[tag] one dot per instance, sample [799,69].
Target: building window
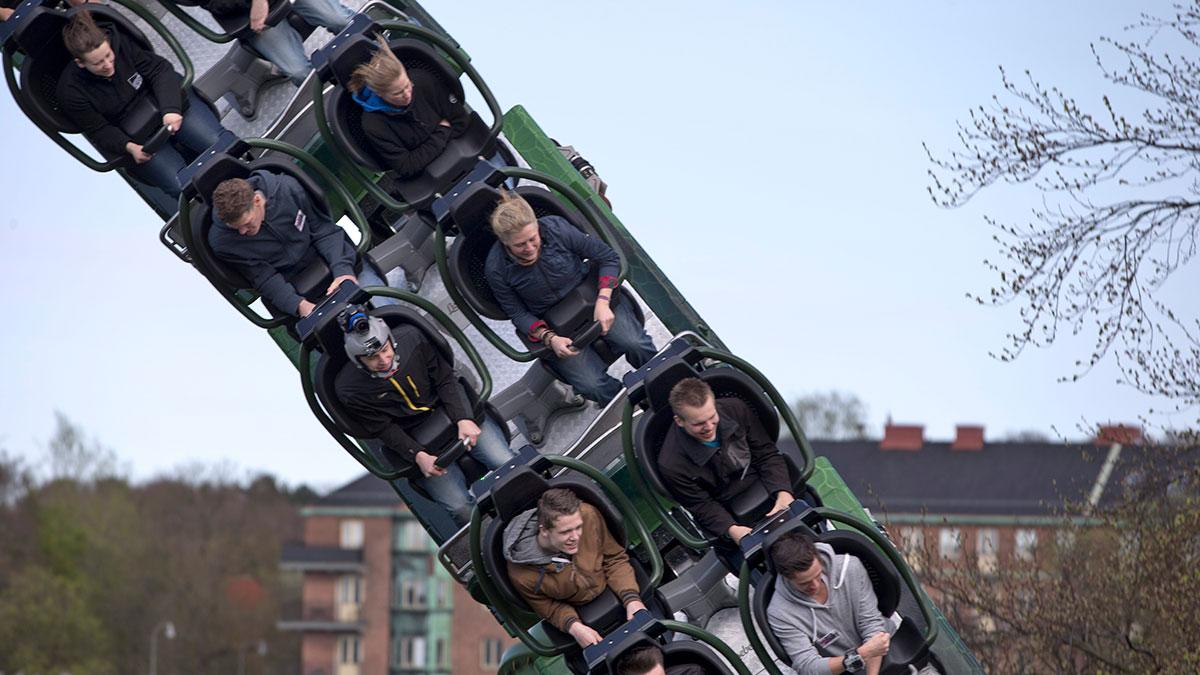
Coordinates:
[912,544]
[440,659]
[410,536]
[949,543]
[442,599]
[412,593]
[490,651]
[349,590]
[349,650]
[987,548]
[410,652]
[352,534]
[1026,541]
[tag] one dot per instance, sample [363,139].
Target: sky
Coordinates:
[768,156]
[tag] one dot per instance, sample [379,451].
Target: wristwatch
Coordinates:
[852,662]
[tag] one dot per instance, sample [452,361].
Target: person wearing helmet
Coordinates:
[394,379]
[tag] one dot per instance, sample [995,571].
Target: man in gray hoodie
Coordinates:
[824,610]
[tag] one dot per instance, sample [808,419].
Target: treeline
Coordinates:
[91,565]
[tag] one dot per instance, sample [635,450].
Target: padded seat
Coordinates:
[438,432]
[885,581]
[675,653]
[726,382]
[519,491]
[345,116]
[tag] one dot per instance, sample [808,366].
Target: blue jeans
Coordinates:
[587,373]
[370,277]
[281,44]
[199,130]
[450,490]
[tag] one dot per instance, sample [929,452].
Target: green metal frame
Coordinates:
[444,267]
[457,56]
[241,299]
[353,447]
[511,614]
[660,503]
[709,639]
[869,531]
[57,136]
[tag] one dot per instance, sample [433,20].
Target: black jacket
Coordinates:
[101,106]
[705,488]
[295,231]
[386,408]
[408,142]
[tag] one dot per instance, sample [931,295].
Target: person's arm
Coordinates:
[265,279]
[164,82]
[454,112]
[591,248]
[93,125]
[618,573]
[450,390]
[692,496]
[797,643]
[867,617]
[376,423]
[523,319]
[558,613]
[397,155]
[5,13]
[768,461]
[329,239]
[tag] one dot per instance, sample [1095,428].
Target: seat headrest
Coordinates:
[216,169]
[663,378]
[354,51]
[518,491]
[470,212]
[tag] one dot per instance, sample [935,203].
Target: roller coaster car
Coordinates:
[224,161]
[36,33]
[653,390]
[468,211]
[437,432]
[518,490]
[906,643]
[603,659]
[354,46]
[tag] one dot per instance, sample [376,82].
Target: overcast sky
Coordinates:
[766,154]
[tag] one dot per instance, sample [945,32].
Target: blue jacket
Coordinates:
[524,292]
[293,234]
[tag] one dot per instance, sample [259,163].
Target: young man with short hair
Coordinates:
[824,610]
[394,380]
[717,450]
[269,228]
[648,660]
[560,554]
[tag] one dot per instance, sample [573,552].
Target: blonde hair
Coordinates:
[380,72]
[512,213]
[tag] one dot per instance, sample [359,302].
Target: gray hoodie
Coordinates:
[521,546]
[812,632]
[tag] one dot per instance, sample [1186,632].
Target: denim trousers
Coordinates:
[281,44]
[450,490]
[587,373]
[199,130]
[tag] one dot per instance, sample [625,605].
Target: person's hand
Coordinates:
[603,315]
[563,347]
[425,462]
[445,123]
[337,281]
[876,645]
[5,12]
[305,308]
[632,608]
[782,500]
[584,634]
[173,121]
[736,532]
[469,432]
[258,15]
[140,156]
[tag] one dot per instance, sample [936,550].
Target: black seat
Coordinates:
[675,652]
[37,35]
[437,432]
[518,491]
[726,382]
[204,178]
[885,581]
[239,26]
[469,213]
[354,47]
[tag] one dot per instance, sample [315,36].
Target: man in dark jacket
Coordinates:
[536,263]
[268,227]
[408,115]
[120,95]
[395,379]
[648,660]
[716,451]
[561,555]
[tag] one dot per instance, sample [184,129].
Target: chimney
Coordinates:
[1125,434]
[902,436]
[967,437]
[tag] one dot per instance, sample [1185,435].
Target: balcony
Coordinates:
[301,558]
[323,618]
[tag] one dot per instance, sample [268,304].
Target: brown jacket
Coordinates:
[553,584]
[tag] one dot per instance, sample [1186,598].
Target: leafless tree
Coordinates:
[833,415]
[1119,203]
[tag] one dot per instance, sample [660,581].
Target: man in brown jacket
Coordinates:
[560,555]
